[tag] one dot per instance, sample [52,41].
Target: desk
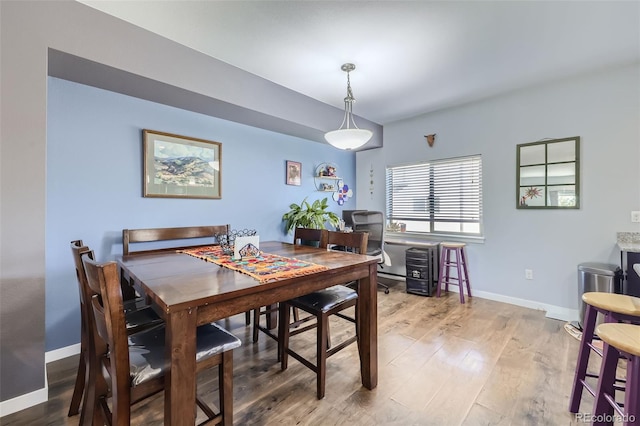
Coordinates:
[191,292]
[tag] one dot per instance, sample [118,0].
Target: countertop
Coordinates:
[629,241]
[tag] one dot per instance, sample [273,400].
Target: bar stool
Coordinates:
[460,263]
[620,341]
[615,308]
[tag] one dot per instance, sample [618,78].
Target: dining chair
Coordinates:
[133,366]
[301,236]
[152,240]
[322,304]
[137,318]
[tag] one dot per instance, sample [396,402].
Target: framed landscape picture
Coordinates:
[294,173]
[181,167]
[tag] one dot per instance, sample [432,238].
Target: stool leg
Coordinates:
[583,358]
[447,272]
[602,409]
[632,393]
[466,271]
[459,270]
[440,273]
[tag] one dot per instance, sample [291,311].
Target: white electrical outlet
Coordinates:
[635,216]
[528,274]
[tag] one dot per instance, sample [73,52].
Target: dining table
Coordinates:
[188,291]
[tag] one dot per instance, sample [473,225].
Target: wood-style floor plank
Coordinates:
[440,363]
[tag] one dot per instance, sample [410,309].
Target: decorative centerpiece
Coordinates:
[227,241]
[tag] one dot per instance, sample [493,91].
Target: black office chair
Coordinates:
[373,223]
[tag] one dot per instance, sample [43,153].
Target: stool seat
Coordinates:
[619,303]
[625,337]
[452,245]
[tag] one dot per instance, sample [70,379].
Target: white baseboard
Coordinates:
[39,396]
[552,311]
[25,401]
[61,353]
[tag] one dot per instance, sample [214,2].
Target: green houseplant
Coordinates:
[305,215]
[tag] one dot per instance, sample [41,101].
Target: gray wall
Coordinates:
[94,183]
[604,110]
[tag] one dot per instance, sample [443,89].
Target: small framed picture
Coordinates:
[294,173]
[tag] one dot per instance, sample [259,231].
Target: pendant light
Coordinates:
[348,136]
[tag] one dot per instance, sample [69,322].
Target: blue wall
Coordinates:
[94,183]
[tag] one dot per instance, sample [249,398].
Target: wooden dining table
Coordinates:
[189,292]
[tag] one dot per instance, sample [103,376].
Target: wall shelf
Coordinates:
[326,179]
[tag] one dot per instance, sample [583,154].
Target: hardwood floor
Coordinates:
[440,363]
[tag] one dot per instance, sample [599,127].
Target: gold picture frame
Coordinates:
[180,166]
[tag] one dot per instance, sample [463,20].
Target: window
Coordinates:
[441,197]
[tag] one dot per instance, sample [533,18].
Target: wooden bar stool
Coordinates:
[620,341]
[615,308]
[459,262]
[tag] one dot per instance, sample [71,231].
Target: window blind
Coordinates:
[444,194]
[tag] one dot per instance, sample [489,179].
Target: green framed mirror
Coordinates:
[548,174]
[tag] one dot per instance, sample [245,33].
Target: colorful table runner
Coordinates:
[264,268]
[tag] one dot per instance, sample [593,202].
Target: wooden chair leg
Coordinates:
[95,386]
[256,321]
[225,376]
[283,334]
[78,388]
[321,366]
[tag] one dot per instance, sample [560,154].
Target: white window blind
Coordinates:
[441,196]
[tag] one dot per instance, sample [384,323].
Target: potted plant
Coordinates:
[305,215]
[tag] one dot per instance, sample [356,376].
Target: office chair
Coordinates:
[373,223]
[347,216]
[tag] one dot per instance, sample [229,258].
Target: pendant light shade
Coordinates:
[348,136]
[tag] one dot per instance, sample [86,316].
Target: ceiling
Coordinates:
[411,57]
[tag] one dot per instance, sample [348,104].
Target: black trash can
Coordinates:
[595,276]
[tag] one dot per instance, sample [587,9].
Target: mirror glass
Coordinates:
[532,155]
[561,151]
[532,175]
[548,174]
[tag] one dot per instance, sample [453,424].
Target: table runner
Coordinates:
[264,268]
